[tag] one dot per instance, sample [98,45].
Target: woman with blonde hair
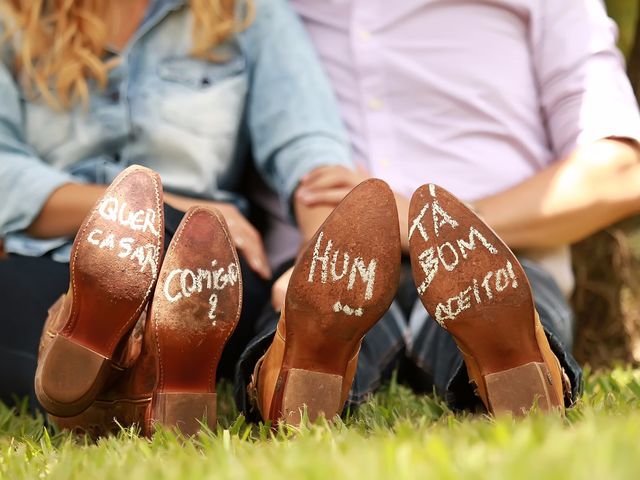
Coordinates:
[185,88]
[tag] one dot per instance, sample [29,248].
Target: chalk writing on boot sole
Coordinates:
[456,248]
[439,218]
[447,255]
[493,282]
[348,268]
[119,212]
[146,254]
[182,283]
[338,307]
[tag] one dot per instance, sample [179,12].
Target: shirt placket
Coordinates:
[114,111]
[131,66]
[367,46]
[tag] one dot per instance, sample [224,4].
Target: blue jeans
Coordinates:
[425,354]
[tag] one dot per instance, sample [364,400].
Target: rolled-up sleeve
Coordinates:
[26,182]
[292,115]
[585,93]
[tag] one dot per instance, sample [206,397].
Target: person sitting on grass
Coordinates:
[522,109]
[183,87]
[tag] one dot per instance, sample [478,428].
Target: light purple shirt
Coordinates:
[473,95]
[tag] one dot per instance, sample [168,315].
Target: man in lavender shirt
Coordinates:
[521,108]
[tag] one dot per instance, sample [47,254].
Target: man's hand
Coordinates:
[279,290]
[328,185]
[245,237]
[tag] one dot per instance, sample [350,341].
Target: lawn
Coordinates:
[396,435]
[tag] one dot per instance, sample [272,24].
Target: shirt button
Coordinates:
[115,96]
[364,34]
[375,103]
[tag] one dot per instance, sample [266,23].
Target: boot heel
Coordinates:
[319,392]
[184,410]
[69,377]
[516,390]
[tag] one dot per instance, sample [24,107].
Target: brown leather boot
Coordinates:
[114,266]
[340,287]
[475,288]
[314,398]
[116,405]
[195,308]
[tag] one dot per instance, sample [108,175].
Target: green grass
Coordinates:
[397,435]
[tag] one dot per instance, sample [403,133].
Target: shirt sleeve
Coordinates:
[584,90]
[26,182]
[292,115]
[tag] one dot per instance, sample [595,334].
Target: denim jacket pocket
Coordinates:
[203,98]
[45,129]
[197,74]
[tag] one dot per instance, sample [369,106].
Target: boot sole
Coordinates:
[114,264]
[194,311]
[340,287]
[473,285]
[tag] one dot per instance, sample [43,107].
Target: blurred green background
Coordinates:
[607,265]
[625,12]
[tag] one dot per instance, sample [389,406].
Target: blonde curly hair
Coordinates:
[60,44]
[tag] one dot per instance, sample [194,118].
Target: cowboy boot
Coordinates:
[114,406]
[341,285]
[114,265]
[194,310]
[475,288]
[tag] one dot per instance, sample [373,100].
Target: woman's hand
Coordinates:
[245,237]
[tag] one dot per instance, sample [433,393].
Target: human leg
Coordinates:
[193,312]
[255,292]
[381,352]
[478,292]
[113,268]
[341,286]
[28,287]
[440,365]
[169,375]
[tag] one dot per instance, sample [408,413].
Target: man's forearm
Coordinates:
[309,218]
[594,187]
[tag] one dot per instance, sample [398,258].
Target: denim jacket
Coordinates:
[190,120]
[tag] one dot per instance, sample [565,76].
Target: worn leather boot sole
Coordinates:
[474,287]
[114,264]
[340,287]
[194,311]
